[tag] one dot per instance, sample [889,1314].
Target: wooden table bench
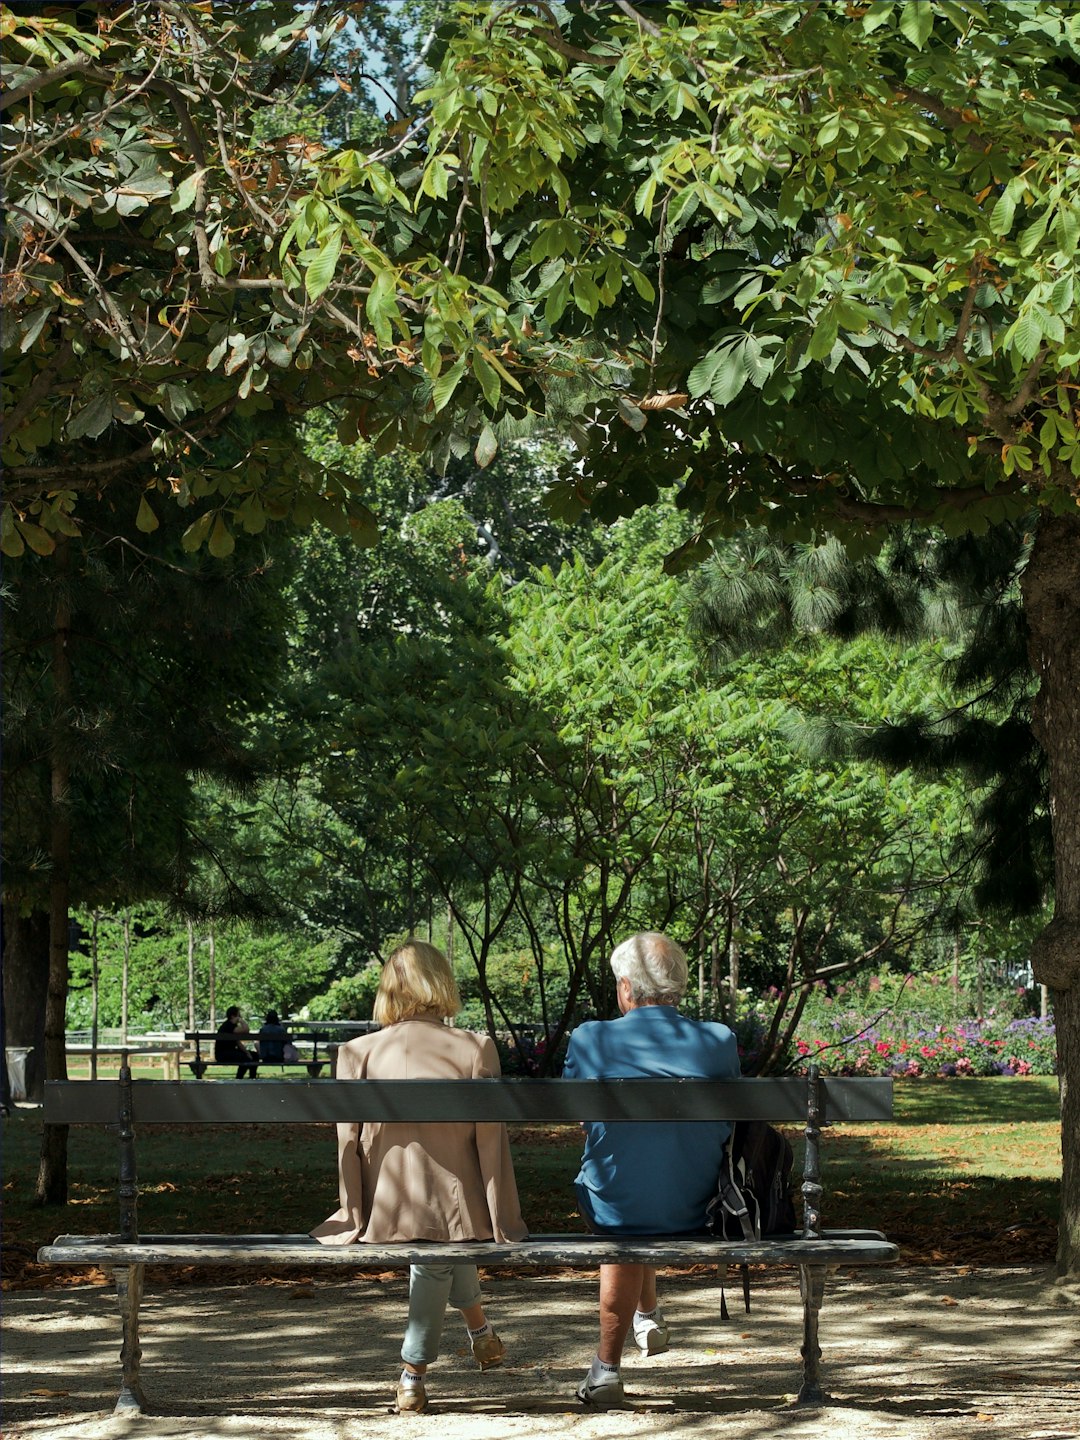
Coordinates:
[125,1104]
[199,1066]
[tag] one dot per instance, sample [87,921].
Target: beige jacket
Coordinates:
[425,1181]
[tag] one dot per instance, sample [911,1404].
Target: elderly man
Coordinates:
[645,1179]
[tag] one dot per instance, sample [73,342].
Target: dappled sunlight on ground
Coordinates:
[909,1353]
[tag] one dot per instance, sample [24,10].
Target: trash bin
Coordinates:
[16,1067]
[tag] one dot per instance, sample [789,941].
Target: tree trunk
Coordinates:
[52,1172]
[26,985]
[190,976]
[95,996]
[124,979]
[733,958]
[213,980]
[1051,587]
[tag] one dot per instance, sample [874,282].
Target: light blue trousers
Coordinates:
[431,1289]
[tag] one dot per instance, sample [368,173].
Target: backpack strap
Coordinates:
[744,1270]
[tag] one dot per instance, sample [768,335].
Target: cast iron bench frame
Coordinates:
[199,1066]
[123,1103]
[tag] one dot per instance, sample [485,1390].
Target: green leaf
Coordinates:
[320,272]
[730,377]
[381,306]
[878,14]
[917,21]
[222,540]
[197,532]
[701,377]
[630,414]
[39,540]
[1026,334]
[184,195]
[146,520]
[1061,297]
[759,366]
[486,447]
[1032,237]
[1067,229]
[277,353]
[92,419]
[824,336]
[32,326]
[487,379]
[447,383]
[1001,217]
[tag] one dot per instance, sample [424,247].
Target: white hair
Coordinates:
[655,967]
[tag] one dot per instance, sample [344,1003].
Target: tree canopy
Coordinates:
[852,254]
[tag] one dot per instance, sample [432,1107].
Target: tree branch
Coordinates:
[106,299]
[46,77]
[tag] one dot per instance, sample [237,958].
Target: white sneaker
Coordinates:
[651,1334]
[605,1394]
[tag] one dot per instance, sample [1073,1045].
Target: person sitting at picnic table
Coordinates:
[228,1049]
[435,1181]
[272,1039]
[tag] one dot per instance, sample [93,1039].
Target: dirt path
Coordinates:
[908,1355]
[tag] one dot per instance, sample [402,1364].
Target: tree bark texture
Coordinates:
[52,1172]
[1051,587]
[26,982]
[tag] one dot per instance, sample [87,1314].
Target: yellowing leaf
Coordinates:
[145,520]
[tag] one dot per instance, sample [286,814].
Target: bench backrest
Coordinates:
[517,1101]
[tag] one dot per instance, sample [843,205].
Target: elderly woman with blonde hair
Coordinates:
[438,1181]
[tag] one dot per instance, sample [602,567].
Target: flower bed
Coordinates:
[911,1044]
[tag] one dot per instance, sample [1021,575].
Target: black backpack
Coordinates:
[753,1199]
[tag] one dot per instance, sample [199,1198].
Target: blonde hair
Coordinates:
[416,980]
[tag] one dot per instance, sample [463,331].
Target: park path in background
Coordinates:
[908,1355]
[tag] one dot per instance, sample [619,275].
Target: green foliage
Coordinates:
[845,273]
[254,968]
[169,657]
[973,716]
[349,998]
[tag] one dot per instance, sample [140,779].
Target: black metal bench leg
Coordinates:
[129,1288]
[812,1289]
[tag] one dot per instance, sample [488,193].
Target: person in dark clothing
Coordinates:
[228,1049]
[272,1038]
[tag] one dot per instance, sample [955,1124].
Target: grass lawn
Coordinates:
[966,1171]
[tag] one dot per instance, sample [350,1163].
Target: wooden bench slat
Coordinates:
[779,1100]
[571,1250]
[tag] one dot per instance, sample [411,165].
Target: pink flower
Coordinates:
[802,1047]
[882,1048]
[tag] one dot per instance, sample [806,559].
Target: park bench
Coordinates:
[125,1105]
[199,1066]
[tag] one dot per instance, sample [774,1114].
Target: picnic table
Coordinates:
[167,1051]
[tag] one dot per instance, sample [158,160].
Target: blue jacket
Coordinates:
[653,1178]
